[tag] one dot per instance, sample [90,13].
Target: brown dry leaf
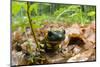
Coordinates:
[75,25]
[93,56]
[84,56]
[73,30]
[92,38]
[76,49]
[25,45]
[89,30]
[93,25]
[89,45]
[71,53]
[17,58]
[17,35]
[58,58]
[65,42]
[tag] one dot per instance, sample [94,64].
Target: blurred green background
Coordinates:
[51,12]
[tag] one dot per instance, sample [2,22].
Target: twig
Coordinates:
[30,22]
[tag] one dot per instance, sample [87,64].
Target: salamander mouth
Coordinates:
[53,42]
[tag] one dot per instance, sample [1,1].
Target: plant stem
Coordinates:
[30,22]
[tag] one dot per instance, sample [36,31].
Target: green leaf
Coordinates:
[35,26]
[92,13]
[73,7]
[15,8]
[24,5]
[34,7]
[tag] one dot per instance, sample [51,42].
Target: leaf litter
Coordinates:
[79,45]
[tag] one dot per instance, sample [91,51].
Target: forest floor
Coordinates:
[79,45]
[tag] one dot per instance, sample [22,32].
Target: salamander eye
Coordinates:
[50,33]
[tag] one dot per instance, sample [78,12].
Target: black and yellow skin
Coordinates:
[53,40]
